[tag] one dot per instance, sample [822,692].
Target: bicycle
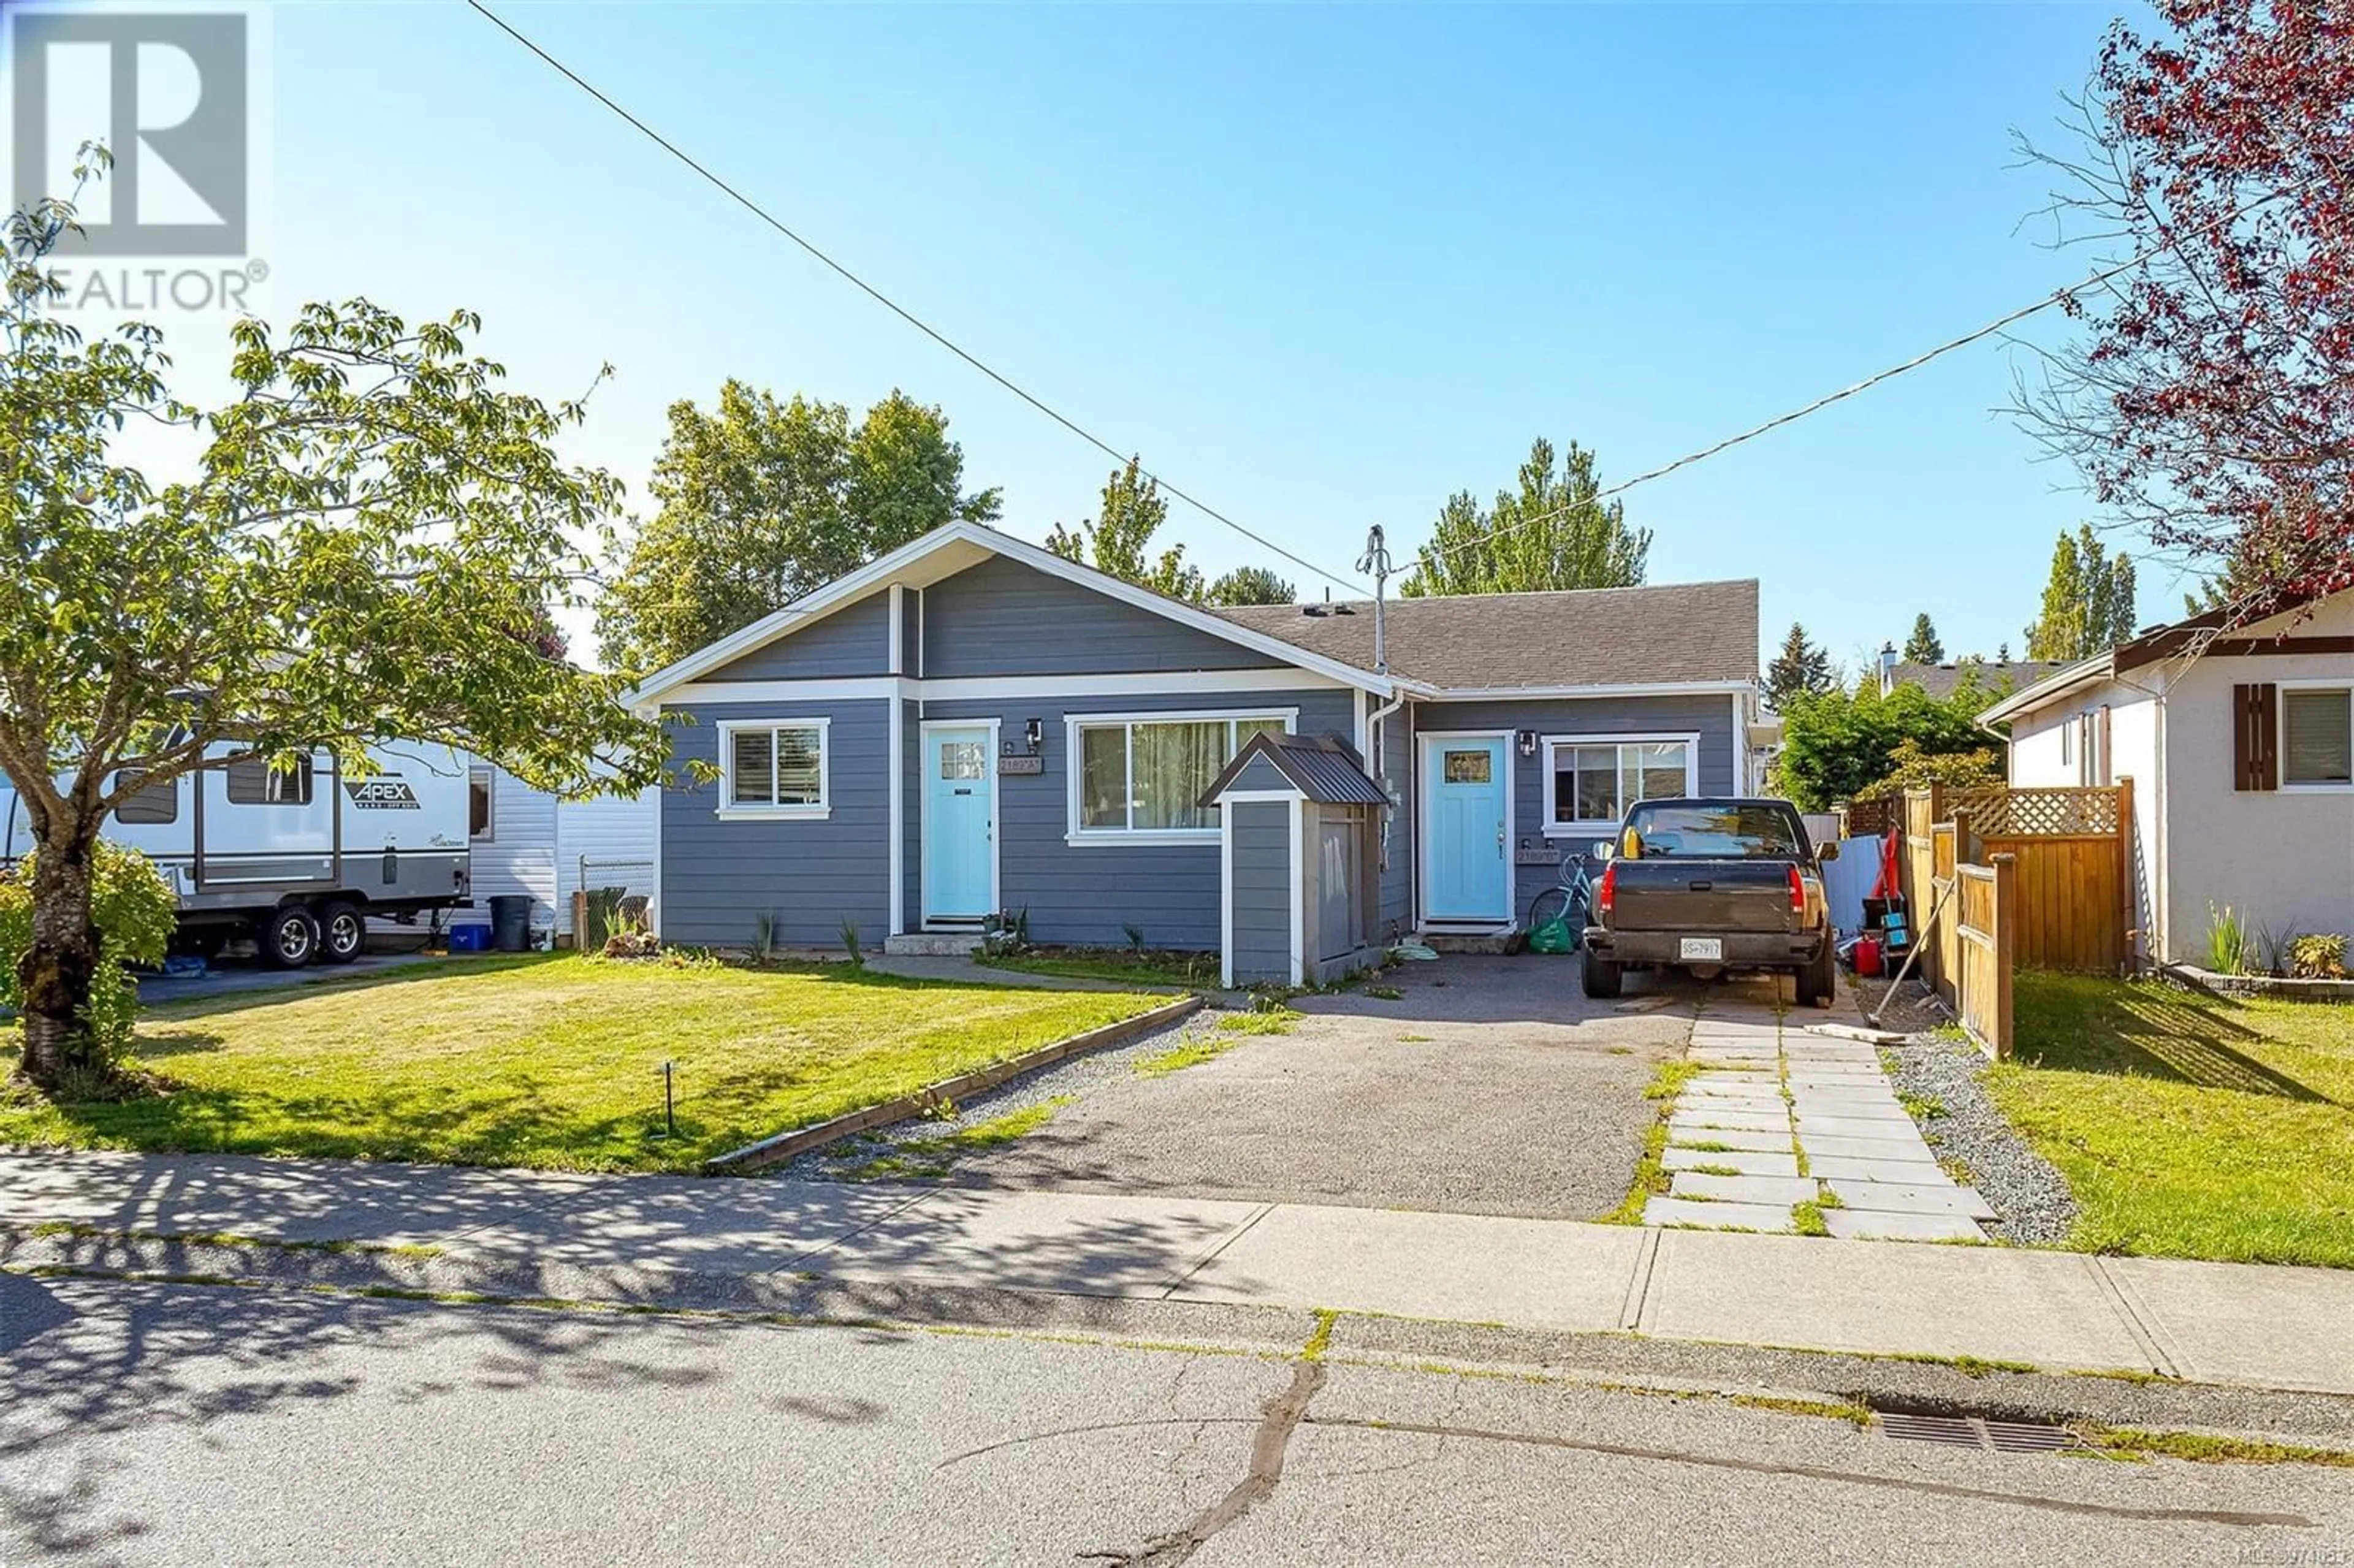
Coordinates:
[1571,898]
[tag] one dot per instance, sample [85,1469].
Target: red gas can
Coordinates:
[1867,955]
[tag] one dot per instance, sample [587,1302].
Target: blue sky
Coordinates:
[1321,265]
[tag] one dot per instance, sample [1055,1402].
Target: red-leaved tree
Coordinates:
[2210,399]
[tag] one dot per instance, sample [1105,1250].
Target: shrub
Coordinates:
[851,944]
[2229,943]
[2318,957]
[135,912]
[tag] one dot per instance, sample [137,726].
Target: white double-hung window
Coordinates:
[1139,777]
[1592,779]
[772,767]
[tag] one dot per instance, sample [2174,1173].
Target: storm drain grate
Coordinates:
[1969,1432]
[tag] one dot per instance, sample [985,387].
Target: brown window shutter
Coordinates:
[2255,737]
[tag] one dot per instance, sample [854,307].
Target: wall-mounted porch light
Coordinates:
[1034,732]
[1528,743]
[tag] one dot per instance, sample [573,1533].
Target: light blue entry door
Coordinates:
[959,818]
[1465,870]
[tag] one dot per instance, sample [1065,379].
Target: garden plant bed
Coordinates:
[555,1062]
[1120,966]
[2188,1125]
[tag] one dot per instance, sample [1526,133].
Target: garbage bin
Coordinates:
[511,921]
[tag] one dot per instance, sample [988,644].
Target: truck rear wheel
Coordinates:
[1817,983]
[1601,977]
[342,932]
[290,938]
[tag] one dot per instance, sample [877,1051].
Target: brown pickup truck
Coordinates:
[1711,886]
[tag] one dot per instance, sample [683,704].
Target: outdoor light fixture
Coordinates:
[1528,743]
[1034,732]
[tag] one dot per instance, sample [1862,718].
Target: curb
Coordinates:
[784,1146]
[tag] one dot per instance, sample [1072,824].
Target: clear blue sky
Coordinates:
[1321,265]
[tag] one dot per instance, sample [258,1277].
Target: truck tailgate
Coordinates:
[1706,895]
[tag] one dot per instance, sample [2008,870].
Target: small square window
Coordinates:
[773,767]
[2317,736]
[1470,767]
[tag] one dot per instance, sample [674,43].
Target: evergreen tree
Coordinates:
[1252,584]
[1553,533]
[1800,670]
[1923,647]
[2088,600]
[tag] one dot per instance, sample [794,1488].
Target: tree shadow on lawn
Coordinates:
[2070,1023]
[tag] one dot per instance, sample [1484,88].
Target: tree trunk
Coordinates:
[60,962]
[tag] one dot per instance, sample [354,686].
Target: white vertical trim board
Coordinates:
[1297,817]
[1226,900]
[898,663]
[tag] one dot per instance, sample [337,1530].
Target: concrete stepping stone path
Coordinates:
[1769,1099]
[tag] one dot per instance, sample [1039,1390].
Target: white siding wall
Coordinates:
[609,831]
[2282,859]
[520,854]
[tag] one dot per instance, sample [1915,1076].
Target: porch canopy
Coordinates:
[1297,850]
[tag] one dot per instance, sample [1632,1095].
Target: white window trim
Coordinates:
[2307,683]
[490,779]
[1550,744]
[1073,773]
[822,808]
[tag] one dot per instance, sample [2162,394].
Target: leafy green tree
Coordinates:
[1923,647]
[135,911]
[1252,584]
[2088,600]
[1800,670]
[1551,534]
[759,502]
[366,545]
[1118,540]
[1839,742]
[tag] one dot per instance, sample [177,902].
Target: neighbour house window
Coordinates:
[253,781]
[2316,746]
[774,769]
[1595,780]
[482,800]
[153,805]
[1146,775]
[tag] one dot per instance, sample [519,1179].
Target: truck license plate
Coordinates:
[1702,949]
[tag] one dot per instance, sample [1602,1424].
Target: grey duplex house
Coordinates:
[972,724]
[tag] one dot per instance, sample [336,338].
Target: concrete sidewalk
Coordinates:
[2228,1323]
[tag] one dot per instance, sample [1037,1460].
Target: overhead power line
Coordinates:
[888,303]
[1990,329]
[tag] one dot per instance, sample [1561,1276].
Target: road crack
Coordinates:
[1280,1419]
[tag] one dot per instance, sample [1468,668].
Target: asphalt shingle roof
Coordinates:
[1942,680]
[1584,637]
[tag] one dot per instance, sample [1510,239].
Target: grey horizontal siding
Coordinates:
[1002,618]
[1709,716]
[1263,890]
[718,876]
[853,640]
[1082,894]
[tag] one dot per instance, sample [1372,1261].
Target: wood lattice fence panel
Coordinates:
[2072,892]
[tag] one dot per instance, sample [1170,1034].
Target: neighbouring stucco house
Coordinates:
[2238,746]
[972,724]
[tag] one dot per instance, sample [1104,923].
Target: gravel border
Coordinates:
[2030,1197]
[1075,1077]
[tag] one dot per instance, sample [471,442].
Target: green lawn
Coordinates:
[553,1062]
[2189,1127]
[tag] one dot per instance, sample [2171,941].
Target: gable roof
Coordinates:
[1688,634]
[1678,633]
[948,550]
[1942,680]
[1324,769]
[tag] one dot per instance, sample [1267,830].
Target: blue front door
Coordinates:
[1465,870]
[959,824]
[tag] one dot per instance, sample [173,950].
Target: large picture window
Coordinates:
[1592,780]
[773,769]
[1143,775]
[2316,745]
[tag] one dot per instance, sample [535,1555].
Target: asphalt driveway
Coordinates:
[1489,1085]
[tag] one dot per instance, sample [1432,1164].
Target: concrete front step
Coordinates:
[932,944]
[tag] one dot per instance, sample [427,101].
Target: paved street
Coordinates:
[153,1424]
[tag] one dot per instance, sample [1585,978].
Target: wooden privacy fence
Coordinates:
[2040,877]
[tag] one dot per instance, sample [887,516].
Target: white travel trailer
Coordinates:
[527,842]
[296,857]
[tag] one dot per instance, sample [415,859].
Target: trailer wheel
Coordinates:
[290,938]
[342,932]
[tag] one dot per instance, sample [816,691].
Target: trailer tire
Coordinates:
[290,938]
[342,932]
